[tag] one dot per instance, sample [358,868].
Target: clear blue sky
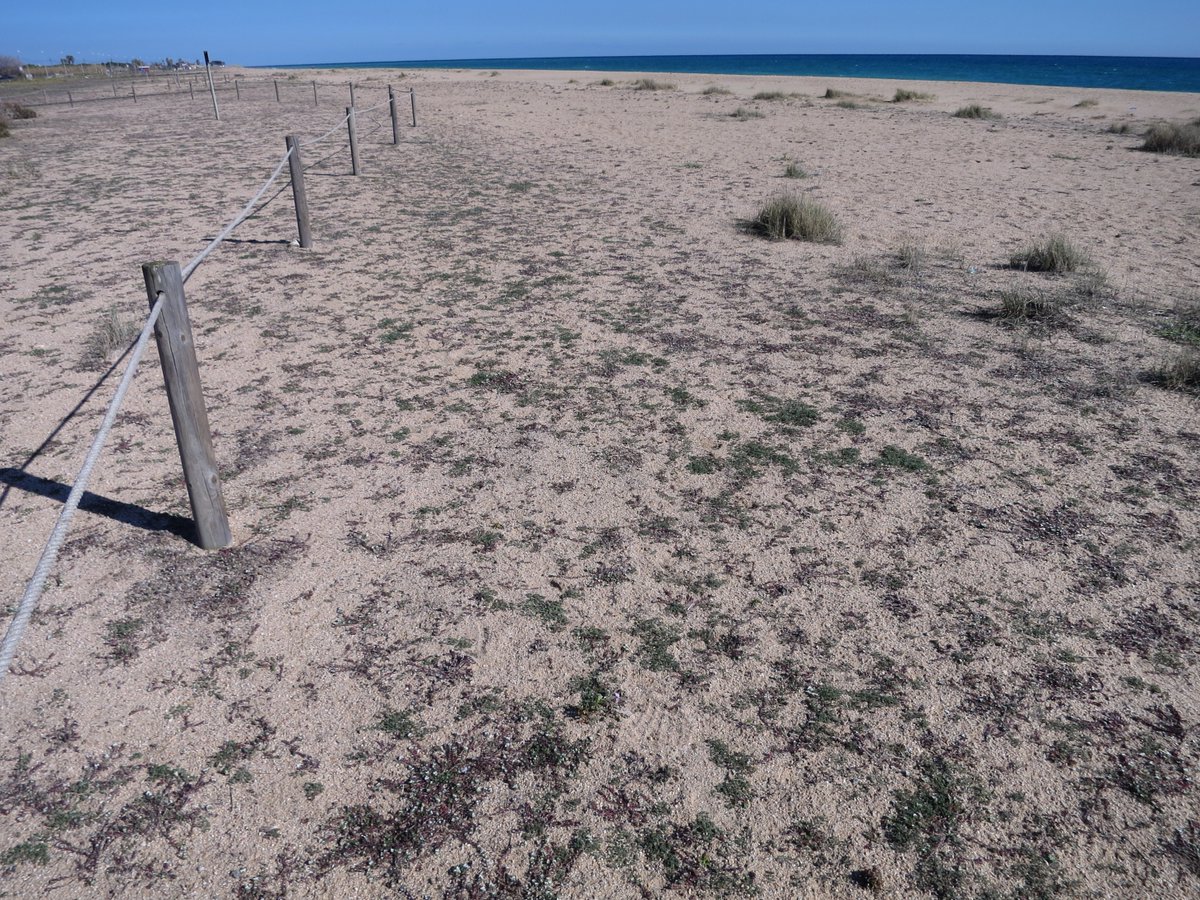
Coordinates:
[271,31]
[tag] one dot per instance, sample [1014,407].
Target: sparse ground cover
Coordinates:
[590,546]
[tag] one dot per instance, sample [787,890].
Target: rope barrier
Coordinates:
[33,590]
[345,119]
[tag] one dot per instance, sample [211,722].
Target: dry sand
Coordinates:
[587,545]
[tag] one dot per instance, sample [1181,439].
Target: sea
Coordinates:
[1126,72]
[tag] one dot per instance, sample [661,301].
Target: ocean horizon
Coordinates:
[1176,74]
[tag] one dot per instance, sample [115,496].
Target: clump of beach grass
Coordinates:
[833,94]
[14,110]
[911,255]
[904,95]
[1022,304]
[794,170]
[112,332]
[1119,128]
[1086,104]
[797,216]
[742,114]
[770,95]
[975,111]
[850,104]
[4,131]
[1054,253]
[1180,373]
[714,90]
[651,84]
[1173,139]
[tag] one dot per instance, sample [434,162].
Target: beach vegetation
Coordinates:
[1173,139]
[1180,373]
[3,129]
[14,110]
[1119,128]
[904,95]
[797,216]
[1186,327]
[770,95]
[1055,254]
[714,90]
[1022,304]
[742,114]
[793,169]
[975,111]
[911,255]
[833,94]
[606,82]
[1086,104]
[111,333]
[850,104]
[651,84]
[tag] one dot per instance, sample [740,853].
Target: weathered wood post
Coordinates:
[114,87]
[212,88]
[133,90]
[395,119]
[353,140]
[276,91]
[314,93]
[192,88]
[352,93]
[299,196]
[237,88]
[70,99]
[412,95]
[177,353]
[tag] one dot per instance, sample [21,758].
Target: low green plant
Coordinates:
[975,111]
[1119,128]
[832,94]
[1054,253]
[911,256]
[794,170]
[1181,373]
[769,95]
[14,110]
[714,90]
[1020,303]
[798,216]
[850,104]
[1086,104]
[904,95]
[1173,139]
[742,114]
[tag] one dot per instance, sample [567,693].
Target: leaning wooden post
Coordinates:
[354,168]
[177,353]
[237,88]
[114,87]
[395,119]
[314,93]
[191,88]
[70,99]
[276,91]
[133,90]
[412,95]
[212,88]
[352,93]
[298,195]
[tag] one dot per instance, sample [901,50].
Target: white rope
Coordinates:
[241,217]
[345,119]
[33,590]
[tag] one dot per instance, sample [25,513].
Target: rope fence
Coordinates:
[168,321]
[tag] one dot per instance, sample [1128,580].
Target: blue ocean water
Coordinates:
[1128,72]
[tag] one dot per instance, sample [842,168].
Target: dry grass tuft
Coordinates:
[1182,373]
[1086,104]
[770,95]
[742,114]
[1054,254]
[975,111]
[14,110]
[651,84]
[1022,304]
[714,90]
[113,332]
[832,94]
[794,170]
[797,216]
[904,95]
[1176,140]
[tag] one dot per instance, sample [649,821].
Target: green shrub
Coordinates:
[742,114]
[714,90]
[793,170]
[650,84]
[606,82]
[850,104]
[1053,254]
[1177,140]
[975,111]
[831,94]
[903,95]
[769,95]
[797,216]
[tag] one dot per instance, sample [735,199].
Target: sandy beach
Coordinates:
[587,543]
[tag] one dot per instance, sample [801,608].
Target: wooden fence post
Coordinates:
[299,197]
[177,353]
[192,88]
[412,95]
[114,87]
[133,90]
[354,168]
[276,91]
[352,93]
[395,119]
[314,93]
[70,99]
[212,88]
[237,88]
